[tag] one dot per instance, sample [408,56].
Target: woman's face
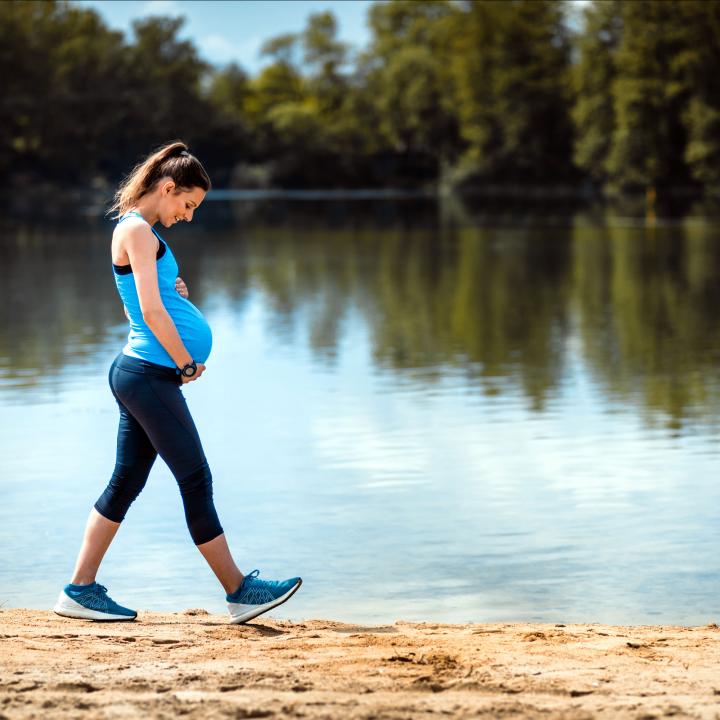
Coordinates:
[176,206]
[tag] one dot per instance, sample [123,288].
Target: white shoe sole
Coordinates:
[242,613]
[67,607]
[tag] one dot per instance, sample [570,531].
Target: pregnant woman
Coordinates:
[168,345]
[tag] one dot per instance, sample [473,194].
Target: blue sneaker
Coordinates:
[256,596]
[90,602]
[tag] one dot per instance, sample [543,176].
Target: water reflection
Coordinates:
[495,304]
[517,417]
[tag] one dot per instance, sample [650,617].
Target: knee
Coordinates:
[197,483]
[200,513]
[125,485]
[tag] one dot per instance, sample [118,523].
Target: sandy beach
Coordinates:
[195,665]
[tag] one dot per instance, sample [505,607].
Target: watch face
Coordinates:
[189,370]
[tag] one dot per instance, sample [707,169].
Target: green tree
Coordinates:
[699,63]
[648,143]
[510,64]
[59,65]
[403,71]
[164,77]
[325,56]
[229,91]
[593,76]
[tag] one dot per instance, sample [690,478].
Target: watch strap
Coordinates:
[192,366]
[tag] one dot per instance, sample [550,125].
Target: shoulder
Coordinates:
[136,233]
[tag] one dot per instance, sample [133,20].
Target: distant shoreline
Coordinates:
[47,201]
[196,664]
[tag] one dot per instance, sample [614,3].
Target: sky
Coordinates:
[233,30]
[226,31]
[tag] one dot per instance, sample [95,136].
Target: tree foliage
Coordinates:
[647,111]
[463,92]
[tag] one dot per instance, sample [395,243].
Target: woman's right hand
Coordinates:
[200,371]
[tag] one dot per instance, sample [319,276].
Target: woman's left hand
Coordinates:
[181,287]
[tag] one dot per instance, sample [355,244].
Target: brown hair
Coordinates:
[171,160]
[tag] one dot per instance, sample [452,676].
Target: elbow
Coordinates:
[151,315]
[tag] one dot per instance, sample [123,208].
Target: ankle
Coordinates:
[236,585]
[81,580]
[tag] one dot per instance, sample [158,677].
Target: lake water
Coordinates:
[429,410]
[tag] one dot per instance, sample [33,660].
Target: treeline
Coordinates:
[456,94]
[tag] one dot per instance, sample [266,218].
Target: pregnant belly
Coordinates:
[194,330]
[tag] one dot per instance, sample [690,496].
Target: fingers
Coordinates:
[181,287]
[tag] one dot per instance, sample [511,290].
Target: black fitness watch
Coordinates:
[188,370]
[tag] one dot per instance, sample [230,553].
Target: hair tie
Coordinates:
[184,153]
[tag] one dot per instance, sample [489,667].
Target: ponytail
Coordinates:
[172,160]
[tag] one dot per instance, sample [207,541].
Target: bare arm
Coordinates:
[140,245]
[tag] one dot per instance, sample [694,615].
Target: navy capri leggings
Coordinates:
[155,420]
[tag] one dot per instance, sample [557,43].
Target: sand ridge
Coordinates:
[195,665]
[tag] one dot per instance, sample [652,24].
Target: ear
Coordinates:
[167,187]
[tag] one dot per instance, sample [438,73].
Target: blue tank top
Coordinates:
[189,321]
